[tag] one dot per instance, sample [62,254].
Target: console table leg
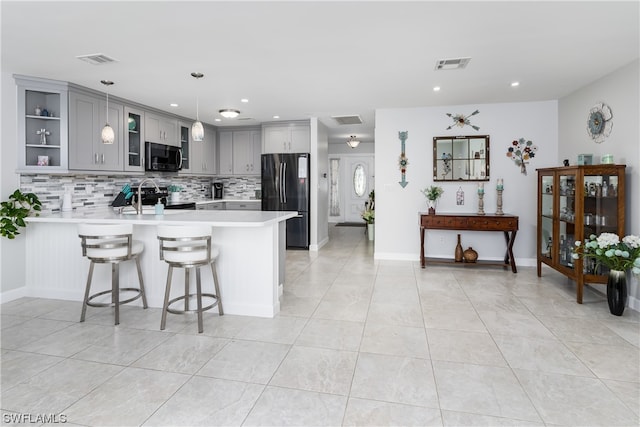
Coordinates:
[512,260]
[422,261]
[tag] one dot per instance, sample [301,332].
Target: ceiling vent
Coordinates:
[245,118]
[347,120]
[452,64]
[96,58]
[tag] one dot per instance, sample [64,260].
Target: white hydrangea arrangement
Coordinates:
[608,250]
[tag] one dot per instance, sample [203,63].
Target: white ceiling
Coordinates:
[301,59]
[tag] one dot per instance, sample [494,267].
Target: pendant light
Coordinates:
[107,135]
[353,141]
[197,130]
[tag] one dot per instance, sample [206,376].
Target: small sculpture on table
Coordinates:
[480,198]
[500,189]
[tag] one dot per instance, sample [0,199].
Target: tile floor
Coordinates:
[357,342]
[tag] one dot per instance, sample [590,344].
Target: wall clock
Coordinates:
[599,122]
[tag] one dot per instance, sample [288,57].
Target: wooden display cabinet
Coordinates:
[573,203]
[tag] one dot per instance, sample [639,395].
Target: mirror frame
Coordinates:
[469,161]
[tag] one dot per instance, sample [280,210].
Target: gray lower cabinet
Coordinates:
[87,116]
[210,206]
[243,206]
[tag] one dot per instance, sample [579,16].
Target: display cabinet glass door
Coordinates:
[546,224]
[600,211]
[184,143]
[135,153]
[567,219]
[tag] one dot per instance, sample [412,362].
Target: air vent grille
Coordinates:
[245,118]
[96,58]
[347,120]
[452,63]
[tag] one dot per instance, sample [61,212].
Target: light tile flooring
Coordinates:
[357,342]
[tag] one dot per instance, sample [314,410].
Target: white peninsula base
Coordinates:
[250,265]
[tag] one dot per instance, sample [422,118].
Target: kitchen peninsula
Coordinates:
[250,265]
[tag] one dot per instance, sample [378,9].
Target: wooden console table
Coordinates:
[460,221]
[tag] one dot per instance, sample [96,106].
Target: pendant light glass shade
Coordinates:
[107,135]
[197,130]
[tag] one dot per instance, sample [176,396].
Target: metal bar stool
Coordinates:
[110,244]
[188,247]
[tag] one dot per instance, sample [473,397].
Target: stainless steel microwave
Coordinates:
[162,157]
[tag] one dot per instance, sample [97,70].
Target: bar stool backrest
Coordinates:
[185,246]
[106,242]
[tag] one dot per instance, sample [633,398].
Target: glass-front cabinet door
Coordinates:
[134,140]
[545,227]
[600,211]
[567,217]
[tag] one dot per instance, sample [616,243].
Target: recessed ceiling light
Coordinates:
[436,88]
[173,104]
[276,117]
[514,84]
[244,100]
[218,120]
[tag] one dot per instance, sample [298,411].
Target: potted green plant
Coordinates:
[369,217]
[174,192]
[618,256]
[432,194]
[13,212]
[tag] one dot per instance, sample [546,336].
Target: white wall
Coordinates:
[12,266]
[397,227]
[620,90]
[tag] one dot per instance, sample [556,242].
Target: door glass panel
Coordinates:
[359,181]
[567,217]
[184,144]
[135,142]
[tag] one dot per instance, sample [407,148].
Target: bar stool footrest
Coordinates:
[182,297]
[111,304]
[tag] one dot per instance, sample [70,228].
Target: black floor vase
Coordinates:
[617,291]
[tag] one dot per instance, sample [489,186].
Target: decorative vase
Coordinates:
[617,291]
[370,231]
[432,206]
[459,253]
[470,255]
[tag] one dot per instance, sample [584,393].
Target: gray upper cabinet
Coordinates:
[87,116]
[286,137]
[161,129]
[42,125]
[247,148]
[202,157]
[225,153]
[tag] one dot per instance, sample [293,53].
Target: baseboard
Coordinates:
[319,246]
[13,294]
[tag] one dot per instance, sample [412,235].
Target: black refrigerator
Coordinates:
[285,187]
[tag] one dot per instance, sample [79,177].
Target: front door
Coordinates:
[357,183]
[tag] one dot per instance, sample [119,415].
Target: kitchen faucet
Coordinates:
[138,204]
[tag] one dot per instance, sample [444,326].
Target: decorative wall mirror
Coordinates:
[461,158]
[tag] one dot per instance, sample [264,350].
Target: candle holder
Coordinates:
[499,209]
[480,202]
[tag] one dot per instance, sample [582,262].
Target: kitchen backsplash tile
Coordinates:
[98,191]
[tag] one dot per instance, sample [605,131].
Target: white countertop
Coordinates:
[179,217]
